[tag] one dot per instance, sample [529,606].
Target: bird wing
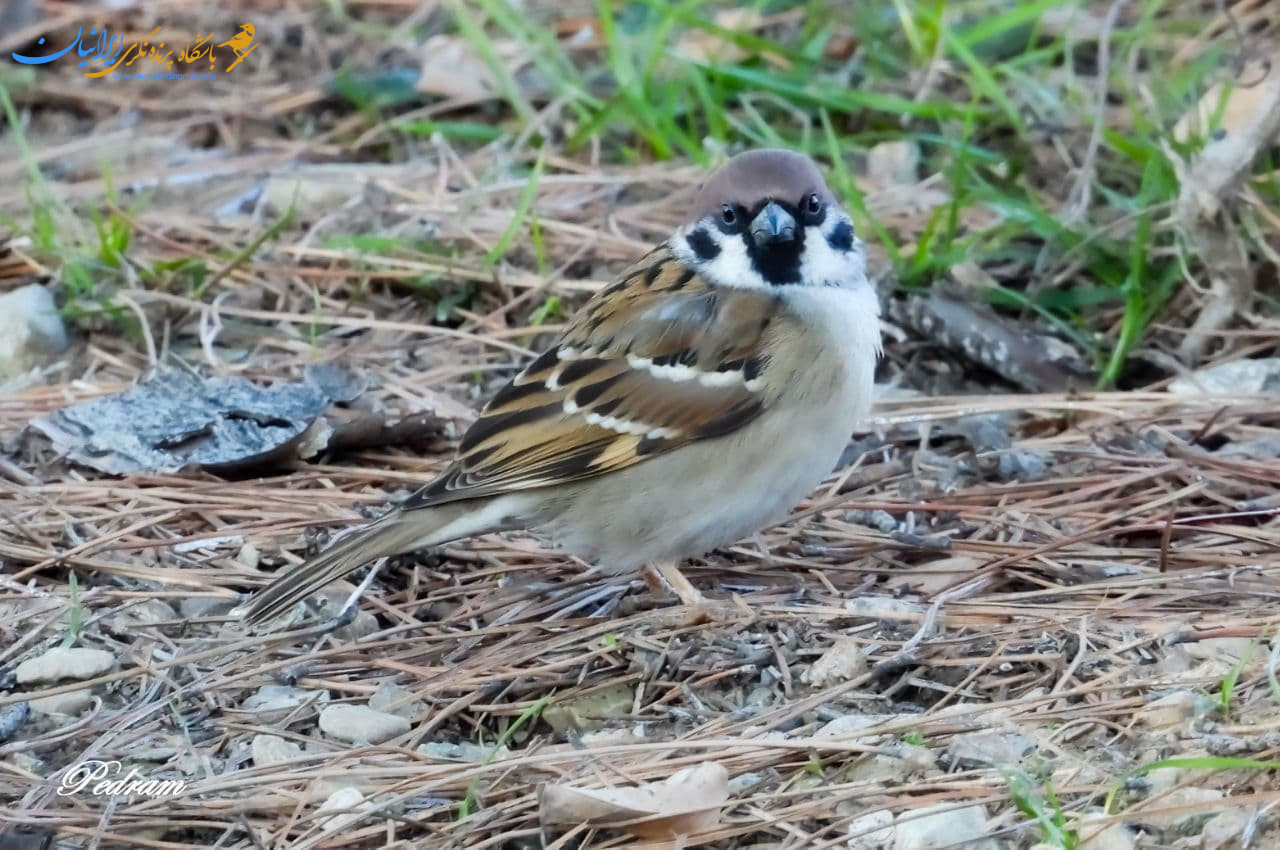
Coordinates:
[656,360]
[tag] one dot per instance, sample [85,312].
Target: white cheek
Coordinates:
[731,267]
[825,266]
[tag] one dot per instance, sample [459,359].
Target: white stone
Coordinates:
[148,612]
[943,825]
[844,660]
[872,831]
[345,803]
[853,725]
[195,607]
[1225,829]
[281,698]
[329,603]
[987,749]
[272,749]
[884,608]
[1173,709]
[1237,377]
[395,699]
[64,705]
[63,662]
[1199,801]
[897,762]
[248,555]
[1099,832]
[359,724]
[463,751]
[31,330]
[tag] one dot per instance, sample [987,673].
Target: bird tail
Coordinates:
[397,532]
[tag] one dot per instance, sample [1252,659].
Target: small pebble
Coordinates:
[272,749]
[901,763]
[852,725]
[195,607]
[988,749]
[883,608]
[1225,829]
[12,717]
[872,831]
[68,704]
[248,555]
[65,663]
[744,782]
[345,803]
[281,698]
[463,751]
[395,699]
[943,825]
[1199,800]
[590,712]
[145,613]
[1173,709]
[1095,836]
[31,330]
[359,724]
[843,661]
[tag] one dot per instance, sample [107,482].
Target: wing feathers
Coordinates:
[652,362]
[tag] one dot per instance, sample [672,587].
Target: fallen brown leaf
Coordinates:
[686,803]
[1250,119]
[706,46]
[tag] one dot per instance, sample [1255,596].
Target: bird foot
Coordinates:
[696,609]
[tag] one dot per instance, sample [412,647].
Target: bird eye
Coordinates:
[728,215]
[813,204]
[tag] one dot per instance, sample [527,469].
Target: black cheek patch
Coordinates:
[841,239]
[702,244]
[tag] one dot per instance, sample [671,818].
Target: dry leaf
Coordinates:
[1250,120]
[452,68]
[686,803]
[705,46]
[1249,124]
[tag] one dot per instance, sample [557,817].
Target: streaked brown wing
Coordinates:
[654,361]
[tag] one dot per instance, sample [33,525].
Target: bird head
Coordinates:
[765,219]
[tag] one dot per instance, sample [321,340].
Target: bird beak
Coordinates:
[773,225]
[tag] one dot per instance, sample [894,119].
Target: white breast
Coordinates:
[843,344]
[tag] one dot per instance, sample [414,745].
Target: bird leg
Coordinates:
[699,608]
[668,574]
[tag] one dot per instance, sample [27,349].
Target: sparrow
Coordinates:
[688,404]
